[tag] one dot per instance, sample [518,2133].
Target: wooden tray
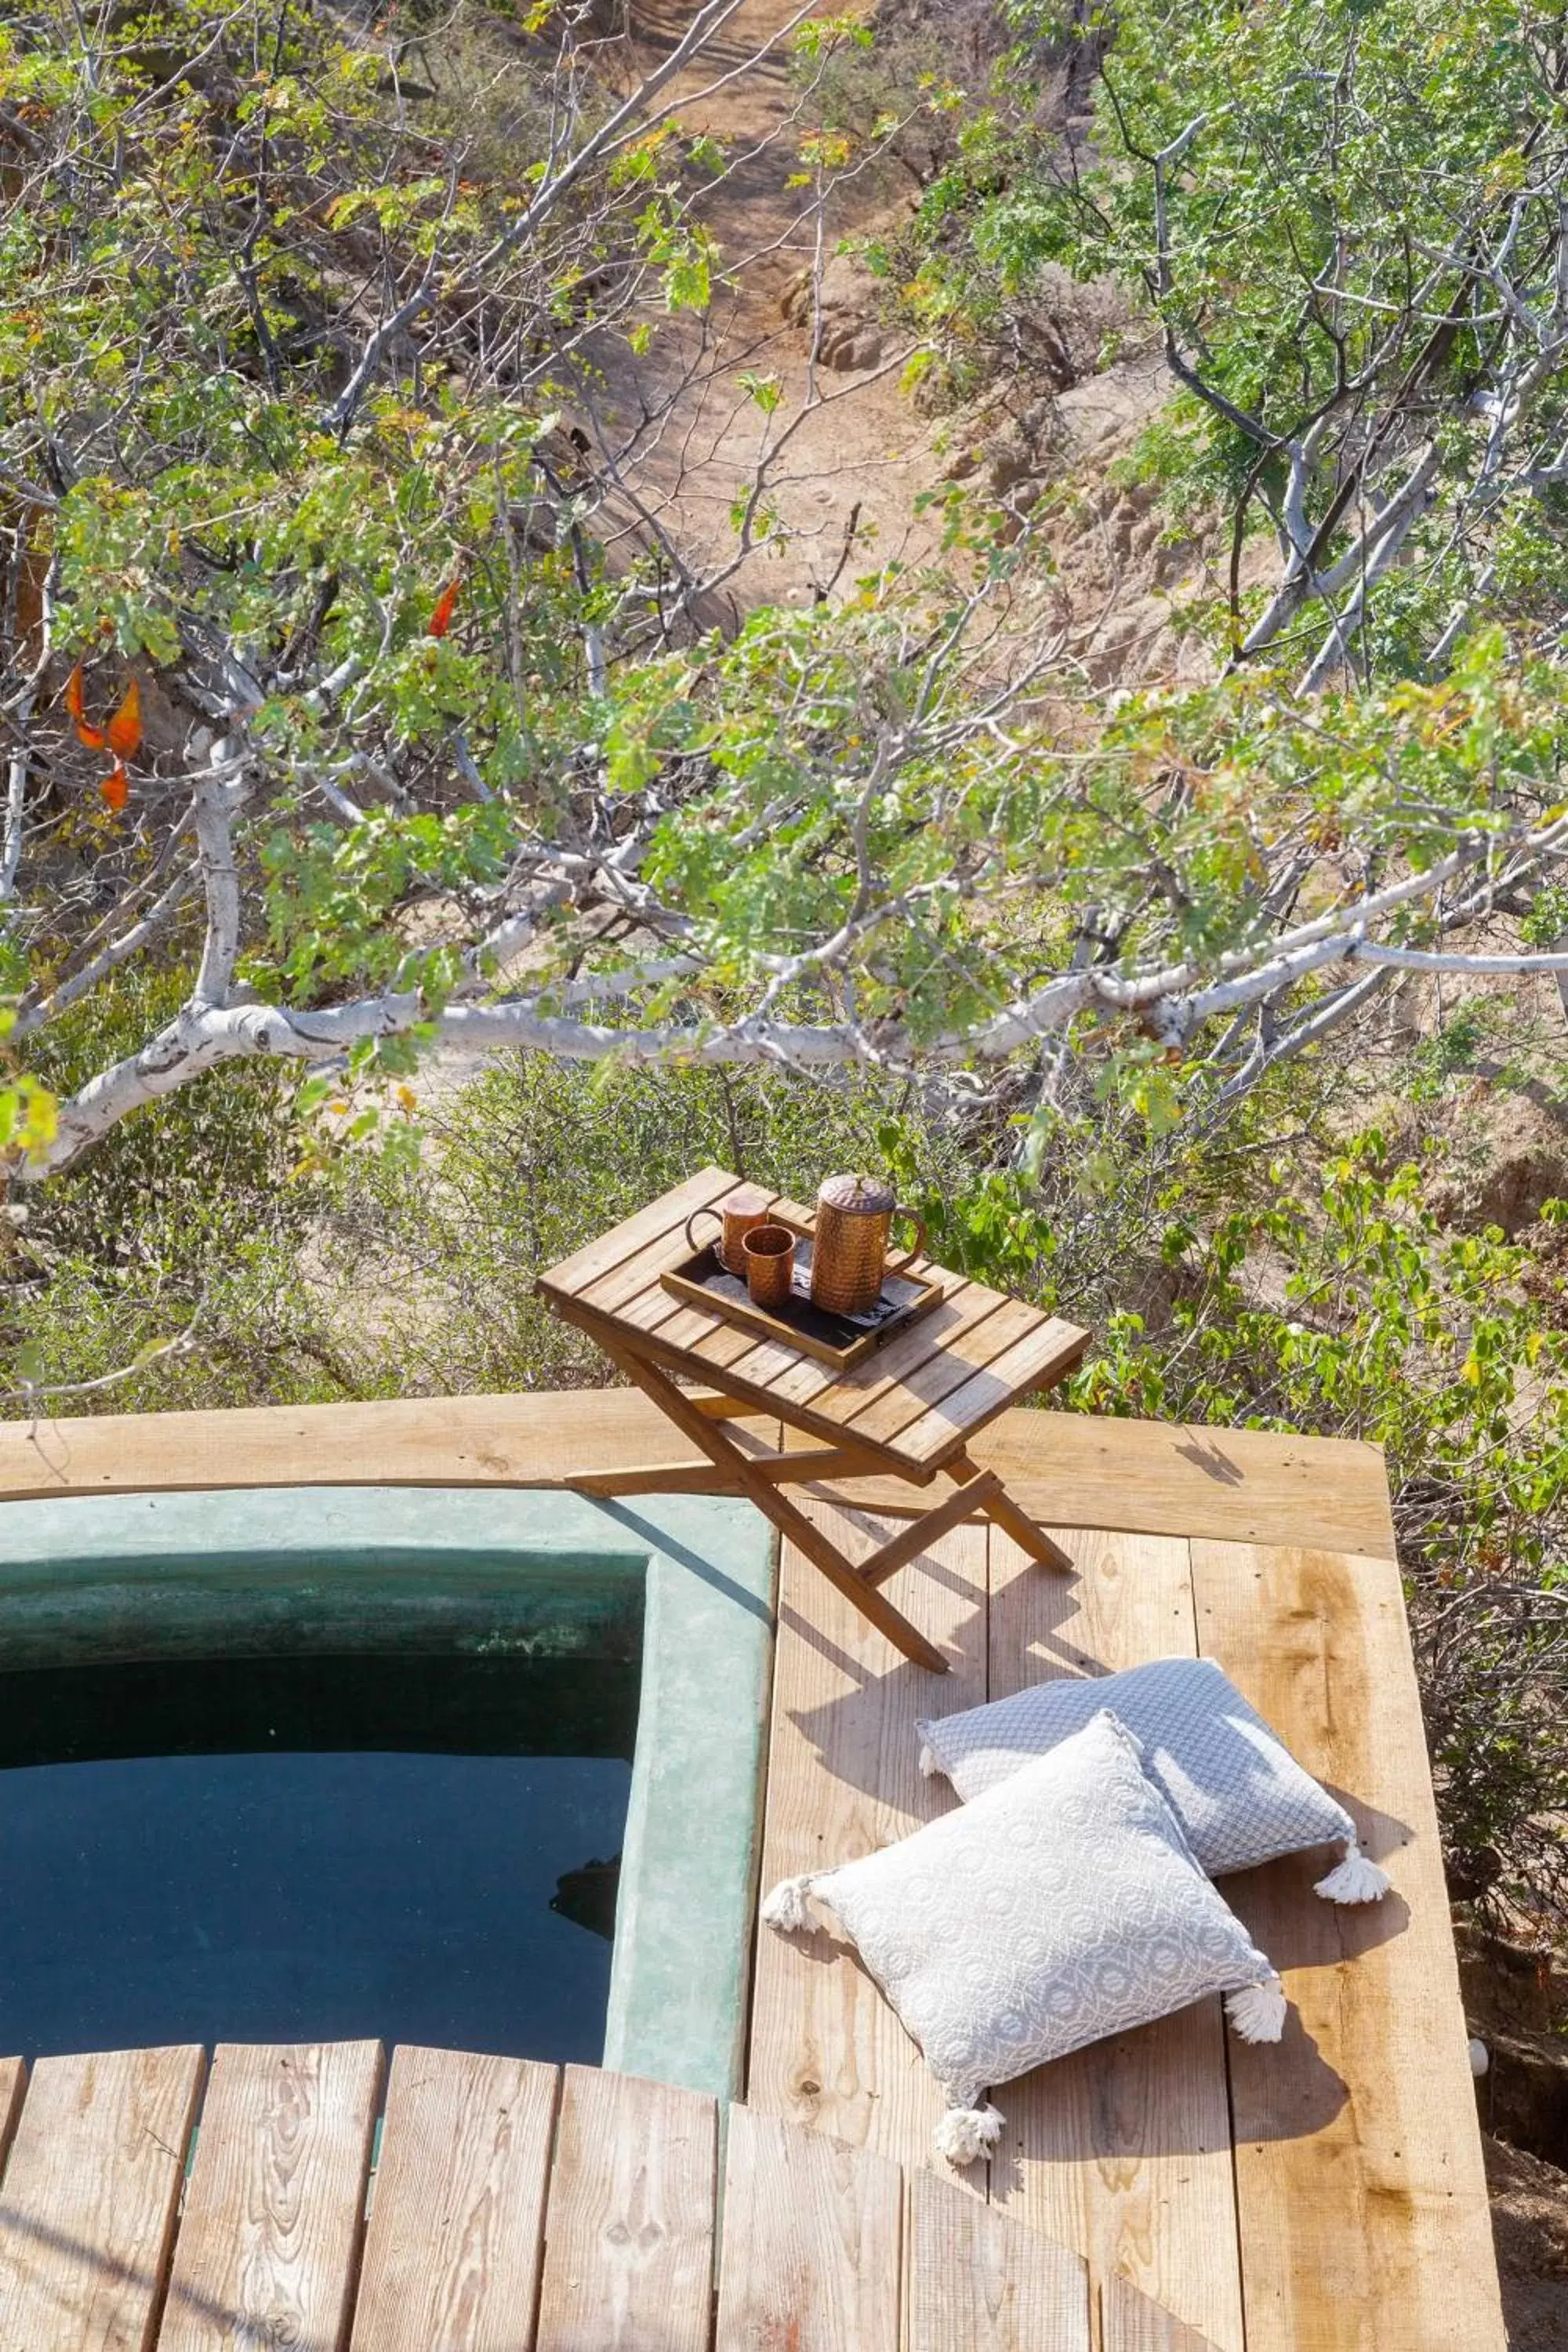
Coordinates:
[841,1340]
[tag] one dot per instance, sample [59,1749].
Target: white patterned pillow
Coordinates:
[1063,1905]
[1241,1796]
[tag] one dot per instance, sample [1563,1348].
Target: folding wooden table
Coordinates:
[907,1411]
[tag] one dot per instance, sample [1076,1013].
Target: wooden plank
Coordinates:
[978,2282]
[844,1778]
[811,2258]
[1122,2151]
[826,1462]
[803,1380]
[764,1363]
[1037,1360]
[479,1440]
[91,2191]
[1067,1469]
[651,1478]
[1364,2225]
[623,1241]
[12,2082]
[613,1335]
[630,2260]
[955,1361]
[1129,2322]
[654,1308]
[692,1329]
[610,1333]
[271,2236]
[452,2249]
[718,1407]
[950,1325]
[760,1439]
[1148,1477]
[638,1275]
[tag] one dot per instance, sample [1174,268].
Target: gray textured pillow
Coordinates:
[1241,1796]
[1063,1905]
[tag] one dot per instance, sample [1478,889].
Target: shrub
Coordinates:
[1350,1311]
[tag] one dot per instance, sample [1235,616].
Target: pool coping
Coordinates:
[73,1568]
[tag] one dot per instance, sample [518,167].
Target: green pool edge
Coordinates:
[87,1576]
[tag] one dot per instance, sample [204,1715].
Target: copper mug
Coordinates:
[769,1251]
[736,1215]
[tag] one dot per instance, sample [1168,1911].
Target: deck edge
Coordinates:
[1135,1477]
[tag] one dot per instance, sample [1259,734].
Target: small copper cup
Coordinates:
[770,1263]
[735,1217]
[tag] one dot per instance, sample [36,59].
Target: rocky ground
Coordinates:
[1530,2221]
[842,469]
[837,467]
[1516,2002]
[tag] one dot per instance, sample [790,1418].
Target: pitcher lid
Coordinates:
[862,1195]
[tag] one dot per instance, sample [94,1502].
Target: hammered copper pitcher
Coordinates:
[849,1242]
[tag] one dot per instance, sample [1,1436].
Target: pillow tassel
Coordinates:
[929,1768]
[964,2135]
[1357,1879]
[786,1908]
[1256,2012]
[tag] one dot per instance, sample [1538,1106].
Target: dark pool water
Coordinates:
[306,1858]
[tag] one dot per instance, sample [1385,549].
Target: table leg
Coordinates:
[999,1505]
[791,1523]
[921,1534]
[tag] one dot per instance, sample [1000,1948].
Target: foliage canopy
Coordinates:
[309,461]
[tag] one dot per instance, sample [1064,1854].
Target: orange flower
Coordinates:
[93,737]
[441,618]
[123,733]
[122,738]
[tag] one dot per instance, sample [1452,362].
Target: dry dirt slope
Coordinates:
[849,455]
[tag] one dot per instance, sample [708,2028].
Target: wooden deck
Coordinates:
[1163,2192]
[513,2208]
[1324,2196]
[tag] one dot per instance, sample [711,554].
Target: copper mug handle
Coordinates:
[917,1247]
[727,1217]
[691,1243]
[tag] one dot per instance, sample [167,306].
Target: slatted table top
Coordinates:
[913,1403]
